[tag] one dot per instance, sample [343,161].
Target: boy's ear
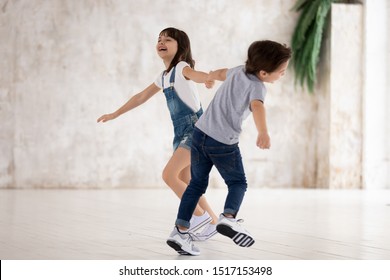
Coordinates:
[263,74]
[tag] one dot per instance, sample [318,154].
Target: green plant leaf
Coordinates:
[299,4]
[307,39]
[306,19]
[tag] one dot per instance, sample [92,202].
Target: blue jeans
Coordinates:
[206,152]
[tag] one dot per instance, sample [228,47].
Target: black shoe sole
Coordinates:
[177,248]
[241,239]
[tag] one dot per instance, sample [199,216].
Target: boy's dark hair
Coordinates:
[267,56]
[183,47]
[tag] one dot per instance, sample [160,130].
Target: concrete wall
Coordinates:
[340,97]
[376,118]
[66,62]
[387,118]
[353,119]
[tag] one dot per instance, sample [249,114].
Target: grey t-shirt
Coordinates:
[230,106]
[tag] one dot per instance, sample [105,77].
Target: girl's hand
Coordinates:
[263,140]
[106,117]
[210,81]
[209,84]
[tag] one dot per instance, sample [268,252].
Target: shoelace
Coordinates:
[239,223]
[190,237]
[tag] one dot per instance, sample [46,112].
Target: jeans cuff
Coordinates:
[230,211]
[182,223]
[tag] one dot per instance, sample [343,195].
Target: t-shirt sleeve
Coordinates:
[230,71]
[257,93]
[158,80]
[179,69]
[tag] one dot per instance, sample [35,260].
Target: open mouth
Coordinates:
[162,49]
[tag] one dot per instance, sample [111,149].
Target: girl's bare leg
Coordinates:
[176,175]
[185,176]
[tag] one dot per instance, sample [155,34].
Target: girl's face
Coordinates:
[166,47]
[273,76]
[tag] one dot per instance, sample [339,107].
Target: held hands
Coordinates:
[210,81]
[263,140]
[106,117]
[209,84]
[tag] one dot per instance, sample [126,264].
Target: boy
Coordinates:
[216,135]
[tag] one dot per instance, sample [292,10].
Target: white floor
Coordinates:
[134,224]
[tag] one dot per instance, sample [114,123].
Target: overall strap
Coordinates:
[171,79]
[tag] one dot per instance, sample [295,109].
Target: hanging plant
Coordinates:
[307,38]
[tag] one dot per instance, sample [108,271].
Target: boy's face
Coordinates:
[273,76]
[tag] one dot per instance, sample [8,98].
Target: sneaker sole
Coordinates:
[177,247]
[241,239]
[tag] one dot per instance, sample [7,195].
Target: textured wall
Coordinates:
[72,61]
[346,96]
[376,117]
[64,63]
[387,118]
[340,100]
[7,61]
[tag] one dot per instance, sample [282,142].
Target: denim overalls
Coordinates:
[183,117]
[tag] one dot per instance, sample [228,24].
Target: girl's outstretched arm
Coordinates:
[199,76]
[219,75]
[133,102]
[193,75]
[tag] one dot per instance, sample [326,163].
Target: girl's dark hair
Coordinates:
[267,56]
[183,47]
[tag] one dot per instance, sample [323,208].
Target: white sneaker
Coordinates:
[197,222]
[209,231]
[231,228]
[182,243]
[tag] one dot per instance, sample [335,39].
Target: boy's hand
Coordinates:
[210,81]
[263,140]
[209,84]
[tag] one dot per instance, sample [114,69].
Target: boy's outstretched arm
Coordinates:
[263,140]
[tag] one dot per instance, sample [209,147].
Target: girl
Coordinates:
[177,82]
